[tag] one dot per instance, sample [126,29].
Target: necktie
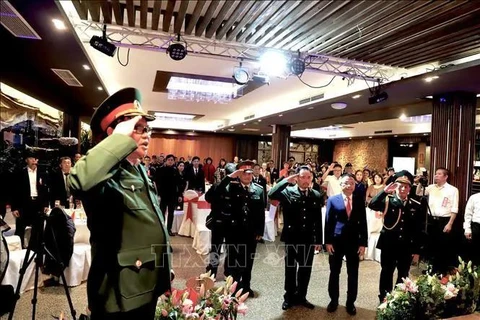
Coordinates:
[67,189]
[349,207]
[196,171]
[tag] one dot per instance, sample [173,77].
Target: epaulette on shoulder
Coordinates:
[415,201]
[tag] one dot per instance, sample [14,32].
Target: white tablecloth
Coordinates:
[13,243]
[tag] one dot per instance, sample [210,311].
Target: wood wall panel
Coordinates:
[215,147]
[372,153]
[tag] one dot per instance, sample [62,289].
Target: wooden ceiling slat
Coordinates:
[130,13]
[180,18]
[106,11]
[290,20]
[196,15]
[212,28]
[206,18]
[447,16]
[94,9]
[314,18]
[237,14]
[398,26]
[81,8]
[438,33]
[249,17]
[464,52]
[264,16]
[459,55]
[167,17]
[348,19]
[117,12]
[143,13]
[280,14]
[157,6]
[388,8]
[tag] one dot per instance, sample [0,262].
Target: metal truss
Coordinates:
[137,38]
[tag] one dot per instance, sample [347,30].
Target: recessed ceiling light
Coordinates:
[310,108]
[478,95]
[402,117]
[280,115]
[356,96]
[262,134]
[244,124]
[259,120]
[429,79]
[425,134]
[360,122]
[350,138]
[370,137]
[396,135]
[338,105]
[59,24]
[86,67]
[100,88]
[429,97]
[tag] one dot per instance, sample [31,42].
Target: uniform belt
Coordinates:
[440,218]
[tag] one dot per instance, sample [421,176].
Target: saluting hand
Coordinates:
[236,174]
[126,127]
[391,187]
[292,178]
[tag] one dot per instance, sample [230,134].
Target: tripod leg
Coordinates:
[67,293]
[23,269]
[38,263]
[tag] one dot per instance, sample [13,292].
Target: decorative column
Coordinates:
[280,144]
[453,140]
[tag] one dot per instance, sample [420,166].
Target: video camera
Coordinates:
[423,179]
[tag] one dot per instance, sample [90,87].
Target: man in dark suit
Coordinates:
[195,176]
[345,236]
[244,202]
[59,189]
[165,179]
[260,180]
[30,199]
[302,233]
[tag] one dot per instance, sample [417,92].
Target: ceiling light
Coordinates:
[174,116]
[356,96]
[310,108]
[240,75]
[478,95]
[429,97]
[297,66]
[402,117]
[429,79]
[395,135]
[244,124]
[280,115]
[102,44]
[350,138]
[339,105]
[177,50]
[86,67]
[273,63]
[231,130]
[370,137]
[59,24]
[100,88]
[259,120]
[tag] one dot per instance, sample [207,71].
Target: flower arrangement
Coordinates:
[201,300]
[433,296]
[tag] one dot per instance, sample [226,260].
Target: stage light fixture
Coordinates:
[377,98]
[177,51]
[240,75]
[102,44]
[297,66]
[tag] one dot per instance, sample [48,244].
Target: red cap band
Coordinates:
[109,118]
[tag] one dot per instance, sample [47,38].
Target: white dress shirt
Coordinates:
[333,186]
[32,177]
[472,212]
[443,200]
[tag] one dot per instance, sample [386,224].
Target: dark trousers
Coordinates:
[474,245]
[219,233]
[240,257]
[146,312]
[31,210]
[442,246]
[170,203]
[298,268]
[343,248]
[399,257]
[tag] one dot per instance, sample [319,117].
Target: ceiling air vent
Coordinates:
[249,117]
[15,23]
[384,131]
[67,77]
[311,99]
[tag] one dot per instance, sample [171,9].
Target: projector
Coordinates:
[380,97]
[102,45]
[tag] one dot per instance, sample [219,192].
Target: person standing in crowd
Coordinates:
[400,238]
[345,236]
[302,233]
[375,188]
[209,170]
[274,175]
[284,171]
[149,167]
[443,203]
[130,265]
[195,176]
[30,199]
[360,187]
[165,178]
[245,203]
[220,171]
[348,168]
[332,182]
[471,226]
[181,183]
[218,222]
[59,189]
[265,173]
[76,157]
[260,180]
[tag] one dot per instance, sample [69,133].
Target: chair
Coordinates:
[177,220]
[190,209]
[374,226]
[79,266]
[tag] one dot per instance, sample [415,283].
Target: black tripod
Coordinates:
[38,249]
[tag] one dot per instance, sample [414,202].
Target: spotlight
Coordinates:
[377,98]
[102,44]
[297,66]
[177,51]
[240,75]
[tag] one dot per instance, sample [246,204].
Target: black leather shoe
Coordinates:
[307,304]
[171,234]
[332,306]
[250,293]
[351,310]
[286,305]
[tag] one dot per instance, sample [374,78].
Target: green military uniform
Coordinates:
[130,246]
[302,229]
[246,207]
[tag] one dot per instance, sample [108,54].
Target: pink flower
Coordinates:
[164,313]
[233,287]
[242,308]
[187,306]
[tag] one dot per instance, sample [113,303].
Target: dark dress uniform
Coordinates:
[302,230]
[400,237]
[130,245]
[246,206]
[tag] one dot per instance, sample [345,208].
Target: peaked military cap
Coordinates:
[125,102]
[404,176]
[246,165]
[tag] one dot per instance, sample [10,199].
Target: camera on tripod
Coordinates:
[423,179]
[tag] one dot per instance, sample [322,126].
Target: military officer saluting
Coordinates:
[400,238]
[302,232]
[130,246]
[245,203]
